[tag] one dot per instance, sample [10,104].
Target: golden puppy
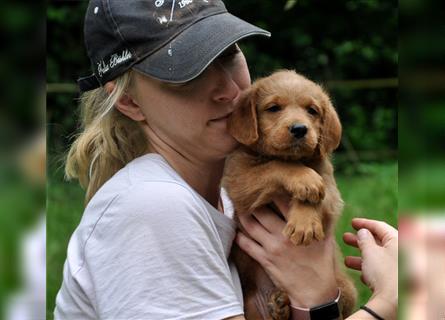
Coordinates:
[288,129]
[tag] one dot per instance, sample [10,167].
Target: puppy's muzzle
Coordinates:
[298,130]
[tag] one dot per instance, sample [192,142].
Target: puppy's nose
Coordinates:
[298,130]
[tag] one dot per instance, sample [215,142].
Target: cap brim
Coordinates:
[188,55]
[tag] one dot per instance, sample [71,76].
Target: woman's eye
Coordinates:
[311,110]
[273,108]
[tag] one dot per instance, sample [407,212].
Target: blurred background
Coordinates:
[22,160]
[350,47]
[422,155]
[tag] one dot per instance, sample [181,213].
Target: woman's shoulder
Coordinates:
[143,194]
[143,203]
[146,178]
[152,167]
[146,204]
[155,195]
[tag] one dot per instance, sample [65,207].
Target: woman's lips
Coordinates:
[222,118]
[220,122]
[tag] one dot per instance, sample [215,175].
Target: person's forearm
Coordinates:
[308,298]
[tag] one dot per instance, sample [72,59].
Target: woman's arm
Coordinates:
[298,269]
[294,268]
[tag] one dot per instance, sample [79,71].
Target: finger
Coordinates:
[269,220]
[366,242]
[254,229]
[353,263]
[250,247]
[380,229]
[282,203]
[350,239]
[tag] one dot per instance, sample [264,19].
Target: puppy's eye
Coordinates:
[273,108]
[311,110]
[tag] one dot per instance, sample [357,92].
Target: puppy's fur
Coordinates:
[288,129]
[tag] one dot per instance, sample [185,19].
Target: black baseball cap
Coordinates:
[170,40]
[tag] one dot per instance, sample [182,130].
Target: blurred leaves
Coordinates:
[22,32]
[290,4]
[422,106]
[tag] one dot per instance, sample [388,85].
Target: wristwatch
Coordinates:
[327,311]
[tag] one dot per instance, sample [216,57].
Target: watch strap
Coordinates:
[326,311]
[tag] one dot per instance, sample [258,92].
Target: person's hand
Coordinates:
[306,273]
[378,244]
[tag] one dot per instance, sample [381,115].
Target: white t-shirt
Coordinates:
[150,247]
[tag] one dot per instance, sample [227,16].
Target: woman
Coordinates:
[155,237]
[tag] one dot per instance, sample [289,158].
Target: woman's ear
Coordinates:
[126,104]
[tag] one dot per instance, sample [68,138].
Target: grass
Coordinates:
[21,206]
[64,211]
[371,193]
[421,187]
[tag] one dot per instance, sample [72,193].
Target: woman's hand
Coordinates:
[378,243]
[306,273]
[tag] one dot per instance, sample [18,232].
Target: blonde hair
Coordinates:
[108,139]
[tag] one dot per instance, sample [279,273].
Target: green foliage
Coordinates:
[64,210]
[372,194]
[290,4]
[421,187]
[21,205]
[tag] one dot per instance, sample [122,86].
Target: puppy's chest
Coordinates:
[252,181]
[245,164]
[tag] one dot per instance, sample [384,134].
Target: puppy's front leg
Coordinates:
[305,184]
[304,219]
[304,223]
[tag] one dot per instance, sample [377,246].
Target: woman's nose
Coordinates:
[226,89]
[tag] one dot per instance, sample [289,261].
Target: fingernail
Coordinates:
[363,234]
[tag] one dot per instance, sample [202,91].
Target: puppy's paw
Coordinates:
[310,190]
[304,231]
[278,305]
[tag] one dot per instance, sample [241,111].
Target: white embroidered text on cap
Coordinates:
[115,60]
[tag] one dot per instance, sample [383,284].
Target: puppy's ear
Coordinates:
[331,129]
[243,123]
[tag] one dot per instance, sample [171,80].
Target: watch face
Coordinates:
[328,311]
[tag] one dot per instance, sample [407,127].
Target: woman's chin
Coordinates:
[227,144]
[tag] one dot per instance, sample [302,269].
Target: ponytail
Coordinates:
[108,139]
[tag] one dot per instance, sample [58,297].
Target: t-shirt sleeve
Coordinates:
[155,254]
